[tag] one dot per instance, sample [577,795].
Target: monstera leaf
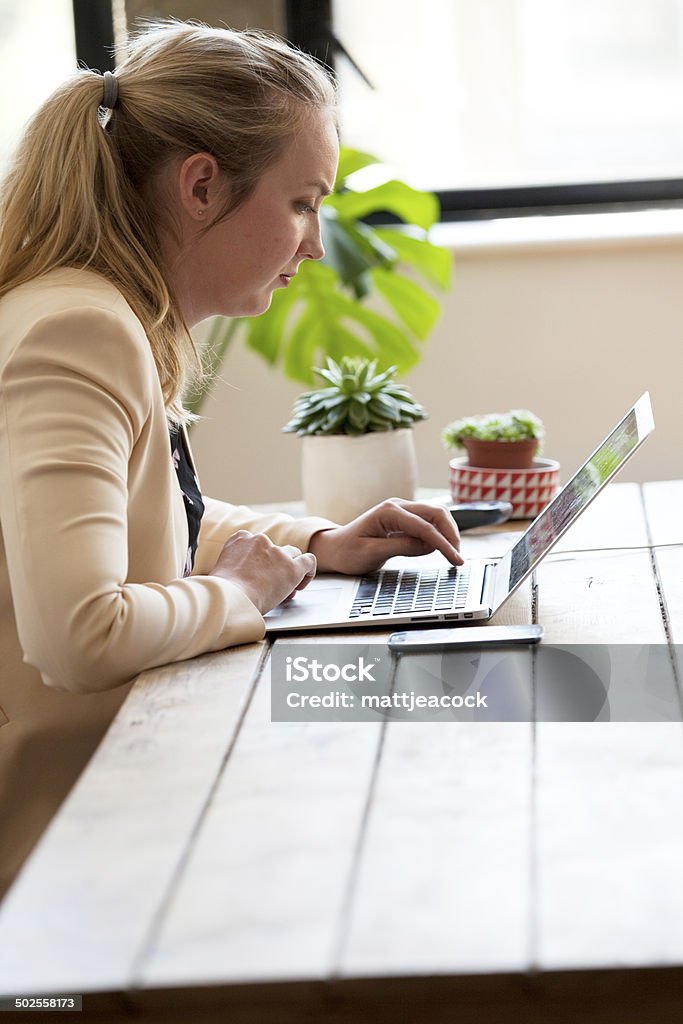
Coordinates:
[362,299]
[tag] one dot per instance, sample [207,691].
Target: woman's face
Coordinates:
[233,268]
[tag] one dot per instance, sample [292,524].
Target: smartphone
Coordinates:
[470,514]
[468,636]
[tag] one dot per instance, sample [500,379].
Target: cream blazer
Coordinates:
[94,540]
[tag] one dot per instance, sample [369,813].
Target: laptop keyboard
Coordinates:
[399,591]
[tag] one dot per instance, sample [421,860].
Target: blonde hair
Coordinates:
[80,189]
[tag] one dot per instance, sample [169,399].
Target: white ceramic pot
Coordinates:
[343,476]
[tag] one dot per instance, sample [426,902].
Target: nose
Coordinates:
[312,247]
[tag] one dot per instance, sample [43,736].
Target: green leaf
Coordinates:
[412,206]
[342,249]
[395,346]
[378,249]
[358,416]
[335,420]
[433,262]
[408,407]
[331,403]
[350,161]
[264,333]
[385,407]
[332,323]
[299,352]
[327,375]
[343,342]
[418,310]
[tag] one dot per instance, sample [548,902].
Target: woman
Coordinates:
[186,185]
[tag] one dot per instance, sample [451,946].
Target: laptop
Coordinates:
[470,592]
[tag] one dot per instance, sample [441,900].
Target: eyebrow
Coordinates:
[322,188]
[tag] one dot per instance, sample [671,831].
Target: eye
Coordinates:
[305,208]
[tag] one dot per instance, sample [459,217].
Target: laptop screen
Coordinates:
[580,490]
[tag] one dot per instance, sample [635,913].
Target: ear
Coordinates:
[201,186]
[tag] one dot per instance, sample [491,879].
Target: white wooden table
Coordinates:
[213,865]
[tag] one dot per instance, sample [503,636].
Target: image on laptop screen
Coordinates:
[574,496]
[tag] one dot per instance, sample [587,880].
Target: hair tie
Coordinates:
[110,92]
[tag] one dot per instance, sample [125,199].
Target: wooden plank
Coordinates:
[610,844]
[443,884]
[669,563]
[443,880]
[663,502]
[265,886]
[80,911]
[598,598]
[609,835]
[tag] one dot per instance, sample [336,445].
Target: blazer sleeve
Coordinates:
[221,520]
[75,398]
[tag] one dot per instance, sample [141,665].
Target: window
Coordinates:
[41,44]
[37,51]
[505,103]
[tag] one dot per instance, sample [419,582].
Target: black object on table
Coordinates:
[471,514]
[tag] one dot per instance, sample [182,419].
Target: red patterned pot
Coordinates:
[529,490]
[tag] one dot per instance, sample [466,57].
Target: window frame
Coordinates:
[94,32]
[309,25]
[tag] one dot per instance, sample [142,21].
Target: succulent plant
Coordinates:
[516,425]
[358,400]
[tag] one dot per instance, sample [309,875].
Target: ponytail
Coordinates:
[66,203]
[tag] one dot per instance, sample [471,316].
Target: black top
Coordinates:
[194,506]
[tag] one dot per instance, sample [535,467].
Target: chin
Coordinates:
[259,304]
[252,304]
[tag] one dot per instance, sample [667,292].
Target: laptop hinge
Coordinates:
[487,570]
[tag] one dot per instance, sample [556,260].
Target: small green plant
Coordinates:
[516,425]
[357,401]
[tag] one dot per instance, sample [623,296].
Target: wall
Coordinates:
[575,331]
[266,14]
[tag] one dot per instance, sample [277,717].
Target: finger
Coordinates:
[400,519]
[300,586]
[291,550]
[439,517]
[307,577]
[308,566]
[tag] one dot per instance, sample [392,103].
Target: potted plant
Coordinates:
[357,439]
[502,461]
[362,299]
[509,440]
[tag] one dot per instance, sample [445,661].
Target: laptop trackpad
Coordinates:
[326,599]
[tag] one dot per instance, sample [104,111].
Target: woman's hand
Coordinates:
[395,527]
[268,574]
